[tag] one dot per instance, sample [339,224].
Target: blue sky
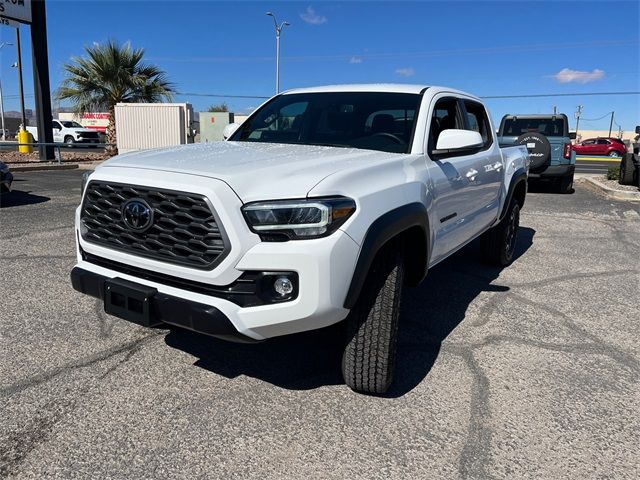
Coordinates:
[486,48]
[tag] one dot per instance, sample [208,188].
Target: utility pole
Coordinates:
[611,123]
[577,114]
[555,109]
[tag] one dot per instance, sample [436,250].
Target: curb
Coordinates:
[612,192]
[39,168]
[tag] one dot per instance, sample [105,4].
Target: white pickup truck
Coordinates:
[320,207]
[68,132]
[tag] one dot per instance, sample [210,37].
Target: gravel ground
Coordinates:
[85,155]
[616,185]
[528,372]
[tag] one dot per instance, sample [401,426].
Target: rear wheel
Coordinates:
[627,170]
[499,243]
[614,154]
[368,362]
[564,184]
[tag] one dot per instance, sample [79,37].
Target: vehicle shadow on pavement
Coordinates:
[545,186]
[438,305]
[16,198]
[312,359]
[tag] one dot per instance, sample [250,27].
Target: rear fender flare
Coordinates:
[519,176]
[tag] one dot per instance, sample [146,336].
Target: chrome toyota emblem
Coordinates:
[137,214]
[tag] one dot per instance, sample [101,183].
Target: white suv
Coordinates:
[319,208]
[68,132]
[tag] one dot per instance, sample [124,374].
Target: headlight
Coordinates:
[85,179]
[298,219]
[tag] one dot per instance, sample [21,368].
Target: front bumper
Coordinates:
[167,309]
[554,171]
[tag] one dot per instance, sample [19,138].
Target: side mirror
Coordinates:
[454,139]
[229,130]
[572,135]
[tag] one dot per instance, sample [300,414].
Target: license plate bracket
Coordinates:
[130,301]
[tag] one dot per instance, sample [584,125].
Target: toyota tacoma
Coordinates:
[319,208]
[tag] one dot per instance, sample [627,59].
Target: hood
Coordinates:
[255,171]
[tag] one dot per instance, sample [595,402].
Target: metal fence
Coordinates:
[57,147]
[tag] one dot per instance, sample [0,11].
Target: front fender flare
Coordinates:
[383,229]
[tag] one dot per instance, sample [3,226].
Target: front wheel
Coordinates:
[69,140]
[368,362]
[499,242]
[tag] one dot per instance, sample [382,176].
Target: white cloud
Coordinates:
[310,16]
[405,72]
[566,75]
[355,60]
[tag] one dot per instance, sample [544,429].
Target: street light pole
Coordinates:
[2,99]
[278,32]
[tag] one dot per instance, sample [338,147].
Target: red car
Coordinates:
[612,147]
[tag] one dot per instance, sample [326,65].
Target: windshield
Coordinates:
[369,120]
[71,124]
[514,127]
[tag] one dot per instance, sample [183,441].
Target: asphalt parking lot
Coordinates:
[529,372]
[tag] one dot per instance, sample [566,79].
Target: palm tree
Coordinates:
[111,73]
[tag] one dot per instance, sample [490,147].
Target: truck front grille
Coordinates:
[184,230]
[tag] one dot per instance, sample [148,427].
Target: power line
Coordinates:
[596,119]
[536,95]
[217,95]
[586,94]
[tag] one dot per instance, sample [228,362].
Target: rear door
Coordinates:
[57,131]
[602,146]
[486,183]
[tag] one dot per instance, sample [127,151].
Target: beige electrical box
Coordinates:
[141,126]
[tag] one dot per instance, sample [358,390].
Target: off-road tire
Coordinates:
[498,243]
[369,358]
[627,170]
[564,185]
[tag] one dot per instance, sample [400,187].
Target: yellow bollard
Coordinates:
[25,137]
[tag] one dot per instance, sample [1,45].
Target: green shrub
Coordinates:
[613,173]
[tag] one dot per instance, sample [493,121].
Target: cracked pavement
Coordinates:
[528,372]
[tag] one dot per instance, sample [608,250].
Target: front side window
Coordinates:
[367,120]
[445,117]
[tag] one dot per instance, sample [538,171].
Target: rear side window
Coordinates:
[478,121]
[602,141]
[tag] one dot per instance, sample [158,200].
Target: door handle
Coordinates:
[471,174]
